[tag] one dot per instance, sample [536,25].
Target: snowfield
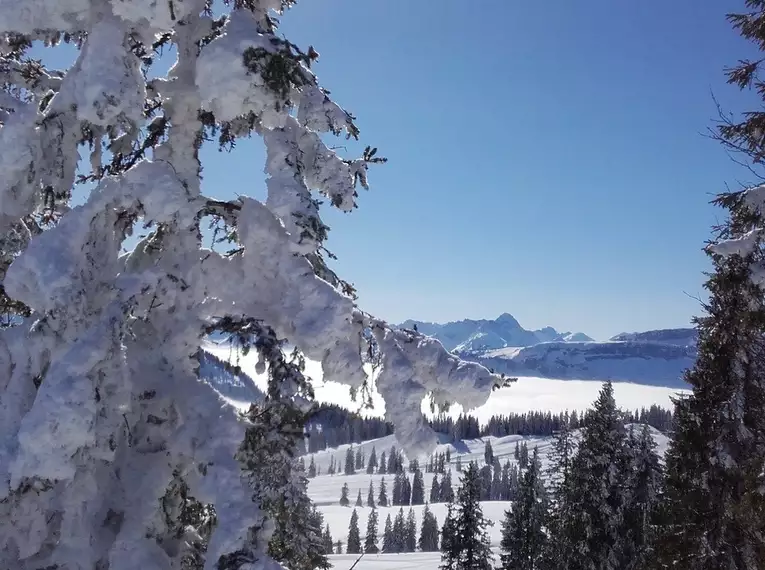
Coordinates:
[325,491]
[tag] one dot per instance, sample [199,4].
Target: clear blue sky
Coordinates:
[547,159]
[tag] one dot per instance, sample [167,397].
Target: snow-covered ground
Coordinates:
[325,491]
[527,394]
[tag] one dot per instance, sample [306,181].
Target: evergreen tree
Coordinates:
[406,490]
[372,464]
[523,535]
[410,542]
[459,465]
[448,455]
[370,542]
[714,507]
[428,532]
[399,532]
[371,495]
[312,468]
[592,521]
[486,478]
[350,466]
[450,550]
[418,488]
[327,541]
[446,492]
[344,501]
[467,545]
[383,464]
[496,483]
[359,503]
[639,519]
[354,537]
[414,465]
[488,453]
[388,541]
[382,498]
[359,459]
[392,467]
[517,452]
[435,489]
[396,495]
[523,457]
[338,547]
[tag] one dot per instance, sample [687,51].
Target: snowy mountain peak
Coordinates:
[482,334]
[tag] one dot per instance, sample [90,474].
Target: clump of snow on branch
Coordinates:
[112,450]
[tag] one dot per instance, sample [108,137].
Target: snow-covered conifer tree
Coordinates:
[399,531]
[429,531]
[359,502]
[103,418]
[312,468]
[465,544]
[371,495]
[410,540]
[382,497]
[523,535]
[370,541]
[435,489]
[388,540]
[354,537]
[446,492]
[350,462]
[418,488]
[344,500]
[372,464]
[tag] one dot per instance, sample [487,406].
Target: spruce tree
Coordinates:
[523,456]
[327,541]
[418,488]
[428,541]
[488,453]
[372,464]
[338,547]
[643,475]
[359,503]
[450,551]
[359,459]
[350,466]
[388,540]
[399,531]
[714,507]
[496,483]
[435,489]
[397,490]
[523,536]
[371,495]
[354,537]
[406,490]
[344,501]
[383,464]
[459,464]
[486,479]
[446,492]
[312,468]
[382,498]
[592,522]
[392,466]
[370,541]
[467,546]
[517,451]
[410,541]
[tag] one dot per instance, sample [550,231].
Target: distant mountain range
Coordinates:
[656,357]
[504,331]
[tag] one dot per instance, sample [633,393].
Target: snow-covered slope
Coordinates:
[325,491]
[650,363]
[483,334]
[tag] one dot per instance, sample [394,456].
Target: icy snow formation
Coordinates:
[102,411]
